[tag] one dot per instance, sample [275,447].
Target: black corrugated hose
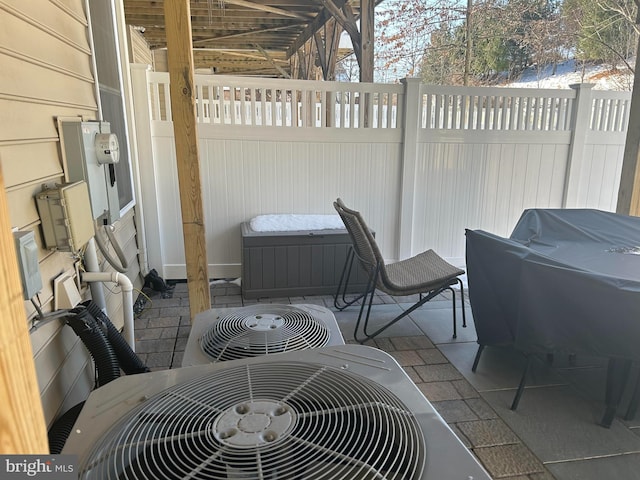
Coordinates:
[110,352]
[129,361]
[96,342]
[87,328]
[61,429]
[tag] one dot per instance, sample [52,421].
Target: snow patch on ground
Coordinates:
[569,72]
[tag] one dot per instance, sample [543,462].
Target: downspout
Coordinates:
[127,298]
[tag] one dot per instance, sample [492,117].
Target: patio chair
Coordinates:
[426,274]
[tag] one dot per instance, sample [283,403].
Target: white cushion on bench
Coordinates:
[295,222]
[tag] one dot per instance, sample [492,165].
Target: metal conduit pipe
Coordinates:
[127,298]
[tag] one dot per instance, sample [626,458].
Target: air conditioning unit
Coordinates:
[344,413]
[261,329]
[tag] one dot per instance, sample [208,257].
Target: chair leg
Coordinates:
[464,316]
[633,403]
[453,301]
[370,292]
[477,358]
[617,376]
[415,306]
[340,301]
[523,381]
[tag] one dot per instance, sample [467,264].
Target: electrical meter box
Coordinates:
[65,213]
[90,152]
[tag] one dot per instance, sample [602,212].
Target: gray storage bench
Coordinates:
[295,263]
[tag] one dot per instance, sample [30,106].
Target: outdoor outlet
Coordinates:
[27,253]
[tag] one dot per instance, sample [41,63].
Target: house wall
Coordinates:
[139,51]
[46,74]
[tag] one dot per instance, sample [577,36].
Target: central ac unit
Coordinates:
[341,413]
[261,329]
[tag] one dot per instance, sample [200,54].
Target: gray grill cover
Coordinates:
[565,280]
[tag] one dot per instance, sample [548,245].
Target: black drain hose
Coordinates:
[61,429]
[110,352]
[127,358]
[96,342]
[87,328]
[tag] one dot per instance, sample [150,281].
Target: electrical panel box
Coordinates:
[27,253]
[65,213]
[91,151]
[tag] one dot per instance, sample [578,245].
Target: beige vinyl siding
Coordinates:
[139,51]
[46,73]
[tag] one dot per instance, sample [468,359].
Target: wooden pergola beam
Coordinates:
[272,62]
[180,60]
[242,34]
[345,18]
[308,32]
[23,426]
[322,53]
[327,47]
[266,8]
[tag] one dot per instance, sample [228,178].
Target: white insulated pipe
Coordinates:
[92,264]
[127,299]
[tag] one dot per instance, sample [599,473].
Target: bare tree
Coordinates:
[404,29]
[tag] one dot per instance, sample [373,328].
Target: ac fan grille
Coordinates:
[261,330]
[276,421]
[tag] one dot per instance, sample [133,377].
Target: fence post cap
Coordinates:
[408,80]
[583,86]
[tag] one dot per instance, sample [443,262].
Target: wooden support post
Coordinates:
[366,59]
[23,427]
[629,191]
[334,31]
[321,47]
[177,15]
[366,42]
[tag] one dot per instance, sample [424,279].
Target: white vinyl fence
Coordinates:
[421,162]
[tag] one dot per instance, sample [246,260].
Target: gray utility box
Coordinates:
[295,263]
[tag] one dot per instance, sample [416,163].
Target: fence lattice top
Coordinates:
[263,102]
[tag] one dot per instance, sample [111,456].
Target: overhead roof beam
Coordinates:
[313,26]
[235,53]
[275,65]
[348,22]
[241,34]
[267,8]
